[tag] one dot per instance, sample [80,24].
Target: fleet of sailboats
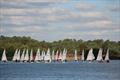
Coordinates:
[51,56]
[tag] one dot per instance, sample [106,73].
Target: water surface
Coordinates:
[60,71]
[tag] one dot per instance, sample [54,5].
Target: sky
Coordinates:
[52,20]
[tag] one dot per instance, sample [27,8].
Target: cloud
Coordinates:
[56,19]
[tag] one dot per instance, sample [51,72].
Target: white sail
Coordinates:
[4,58]
[56,55]
[15,55]
[47,56]
[22,56]
[64,54]
[83,58]
[60,56]
[75,56]
[90,56]
[42,55]
[37,57]
[99,57]
[107,55]
[31,55]
[26,58]
[53,55]
[18,55]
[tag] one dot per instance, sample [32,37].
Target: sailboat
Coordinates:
[90,56]
[15,56]
[60,56]
[82,58]
[53,55]
[56,56]
[26,58]
[18,56]
[22,56]
[107,56]
[75,56]
[64,55]
[37,57]
[42,56]
[47,56]
[99,57]
[31,56]
[4,58]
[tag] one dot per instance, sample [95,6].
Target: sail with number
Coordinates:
[4,58]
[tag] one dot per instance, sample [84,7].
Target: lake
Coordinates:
[60,71]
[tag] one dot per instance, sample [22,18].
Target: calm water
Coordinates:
[60,71]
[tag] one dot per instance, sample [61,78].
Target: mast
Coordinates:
[4,58]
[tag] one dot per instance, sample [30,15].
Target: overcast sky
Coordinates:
[59,19]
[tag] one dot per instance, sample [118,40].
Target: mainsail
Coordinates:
[75,55]
[4,58]
[64,54]
[31,55]
[47,56]
[37,58]
[53,53]
[56,55]
[60,56]
[90,56]
[107,55]
[82,58]
[15,55]
[22,56]
[99,57]
[26,58]
[18,55]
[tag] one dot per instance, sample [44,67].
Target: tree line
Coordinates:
[16,42]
